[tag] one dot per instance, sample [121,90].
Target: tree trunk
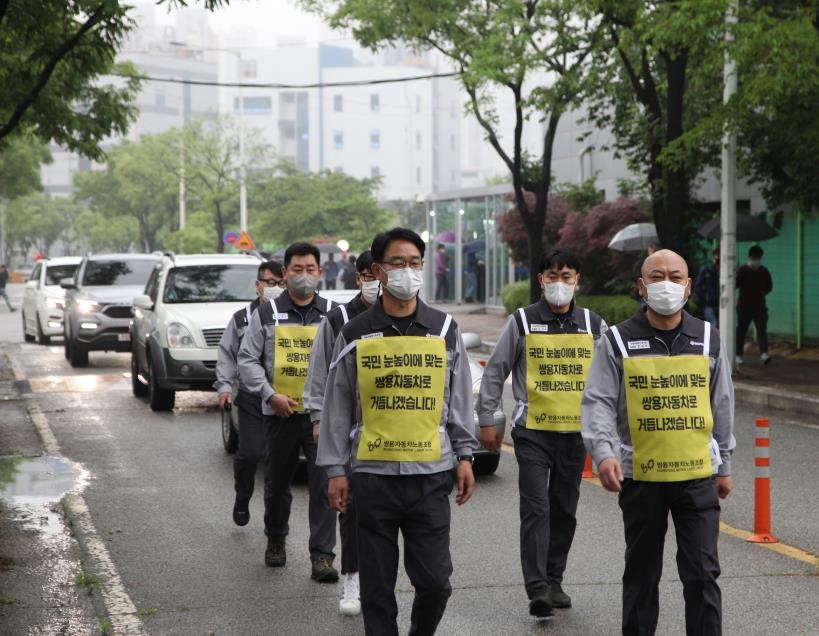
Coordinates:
[219,224]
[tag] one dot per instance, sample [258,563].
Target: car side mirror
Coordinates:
[68,283]
[32,284]
[143,301]
[471,340]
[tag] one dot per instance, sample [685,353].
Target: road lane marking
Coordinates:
[121,610]
[779,548]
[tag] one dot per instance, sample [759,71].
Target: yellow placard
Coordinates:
[668,403]
[401,384]
[292,344]
[556,369]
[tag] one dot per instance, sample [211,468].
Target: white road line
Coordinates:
[122,612]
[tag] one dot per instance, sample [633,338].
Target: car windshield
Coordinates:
[55,273]
[119,272]
[211,284]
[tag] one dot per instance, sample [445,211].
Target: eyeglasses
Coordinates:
[366,277]
[272,282]
[402,263]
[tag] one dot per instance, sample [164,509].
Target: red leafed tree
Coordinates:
[513,232]
[587,234]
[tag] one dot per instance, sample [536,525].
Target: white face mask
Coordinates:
[754,263]
[302,285]
[665,297]
[404,283]
[272,293]
[369,291]
[558,294]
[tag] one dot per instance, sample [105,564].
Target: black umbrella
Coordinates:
[478,245]
[749,228]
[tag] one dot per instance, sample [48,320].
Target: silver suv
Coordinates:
[99,303]
[179,321]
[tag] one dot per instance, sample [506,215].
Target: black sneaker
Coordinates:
[275,555]
[558,597]
[241,514]
[323,570]
[540,604]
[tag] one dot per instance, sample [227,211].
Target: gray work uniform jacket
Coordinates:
[227,371]
[510,355]
[322,352]
[257,351]
[341,418]
[603,410]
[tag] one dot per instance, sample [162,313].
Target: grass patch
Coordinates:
[146,611]
[87,581]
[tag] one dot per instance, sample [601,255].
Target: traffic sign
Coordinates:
[230,238]
[244,242]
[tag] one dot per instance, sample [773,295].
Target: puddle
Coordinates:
[32,485]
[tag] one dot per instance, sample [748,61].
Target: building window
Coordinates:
[375,172]
[375,139]
[338,139]
[248,69]
[418,140]
[375,102]
[338,170]
[254,105]
[338,103]
[418,175]
[160,98]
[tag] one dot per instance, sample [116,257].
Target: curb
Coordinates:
[776,398]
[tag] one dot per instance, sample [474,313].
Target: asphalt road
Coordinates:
[159,497]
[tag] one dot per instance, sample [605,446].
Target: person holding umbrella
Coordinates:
[753,282]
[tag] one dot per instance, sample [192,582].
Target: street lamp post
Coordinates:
[242,171]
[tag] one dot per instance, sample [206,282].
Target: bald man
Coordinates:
[658,417]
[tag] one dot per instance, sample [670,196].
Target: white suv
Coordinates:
[179,320]
[43,298]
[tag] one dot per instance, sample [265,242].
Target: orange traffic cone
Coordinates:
[587,467]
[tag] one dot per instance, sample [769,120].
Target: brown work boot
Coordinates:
[275,555]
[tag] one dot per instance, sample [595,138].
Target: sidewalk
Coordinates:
[789,382]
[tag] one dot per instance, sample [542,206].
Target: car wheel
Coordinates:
[26,336]
[41,337]
[159,399]
[486,464]
[230,436]
[139,389]
[76,356]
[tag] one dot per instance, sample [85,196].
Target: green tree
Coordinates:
[55,53]
[535,50]
[136,183]
[104,232]
[20,160]
[298,206]
[196,238]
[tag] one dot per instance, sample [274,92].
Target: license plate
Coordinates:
[124,337]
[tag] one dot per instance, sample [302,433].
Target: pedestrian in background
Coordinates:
[753,282]
[273,360]
[398,408]
[706,289]
[547,347]
[441,273]
[658,419]
[330,272]
[348,273]
[320,358]
[4,279]
[252,433]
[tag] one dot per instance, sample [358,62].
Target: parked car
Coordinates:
[179,321]
[43,298]
[99,303]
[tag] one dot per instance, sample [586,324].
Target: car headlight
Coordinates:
[179,336]
[54,303]
[87,306]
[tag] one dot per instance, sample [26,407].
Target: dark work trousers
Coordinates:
[757,315]
[285,435]
[348,529]
[418,505]
[550,466]
[252,445]
[694,508]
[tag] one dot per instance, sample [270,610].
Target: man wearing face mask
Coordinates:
[269,285]
[273,361]
[398,409]
[754,282]
[547,347]
[658,418]
[320,358]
